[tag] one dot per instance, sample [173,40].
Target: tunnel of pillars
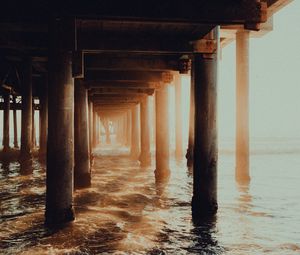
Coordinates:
[74,121]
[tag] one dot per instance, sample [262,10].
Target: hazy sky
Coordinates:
[274,80]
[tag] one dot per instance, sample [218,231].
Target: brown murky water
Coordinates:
[127,211]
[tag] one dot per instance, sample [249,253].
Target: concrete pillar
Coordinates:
[82,169]
[6,114]
[128,128]
[242,106]
[44,119]
[135,148]
[123,130]
[162,131]
[26,129]
[190,151]
[16,144]
[94,129]
[204,202]
[91,118]
[178,117]
[145,157]
[107,131]
[60,146]
[33,127]
[97,129]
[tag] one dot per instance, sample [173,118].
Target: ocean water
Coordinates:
[127,211]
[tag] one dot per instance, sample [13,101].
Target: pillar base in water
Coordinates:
[26,167]
[202,207]
[82,180]
[7,149]
[161,174]
[242,179]
[59,216]
[145,159]
[189,157]
[25,156]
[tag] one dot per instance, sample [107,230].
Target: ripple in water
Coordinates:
[127,211]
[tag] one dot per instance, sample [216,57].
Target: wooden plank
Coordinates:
[119,84]
[123,91]
[142,76]
[197,11]
[137,63]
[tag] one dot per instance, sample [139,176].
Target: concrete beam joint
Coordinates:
[167,77]
[208,46]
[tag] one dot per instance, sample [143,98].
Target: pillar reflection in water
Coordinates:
[203,232]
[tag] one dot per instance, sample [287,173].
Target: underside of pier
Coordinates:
[90,67]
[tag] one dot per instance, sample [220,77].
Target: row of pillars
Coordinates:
[72,134]
[28,132]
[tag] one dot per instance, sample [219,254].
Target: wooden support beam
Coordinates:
[136,63]
[141,76]
[123,91]
[108,107]
[116,102]
[97,43]
[18,106]
[120,84]
[117,96]
[189,11]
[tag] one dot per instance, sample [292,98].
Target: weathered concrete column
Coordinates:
[107,131]
[6,114]
[204,202]
[95,142]
[26,129]
[44,119]
[16,144]
[60,146]
[190,151]
[128,128]
[135,147]
[82,169]
[162,131]
[178,116]
[98,129]
[91,118]
[33,127]
[145,156]
[242,106]
[123,129]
